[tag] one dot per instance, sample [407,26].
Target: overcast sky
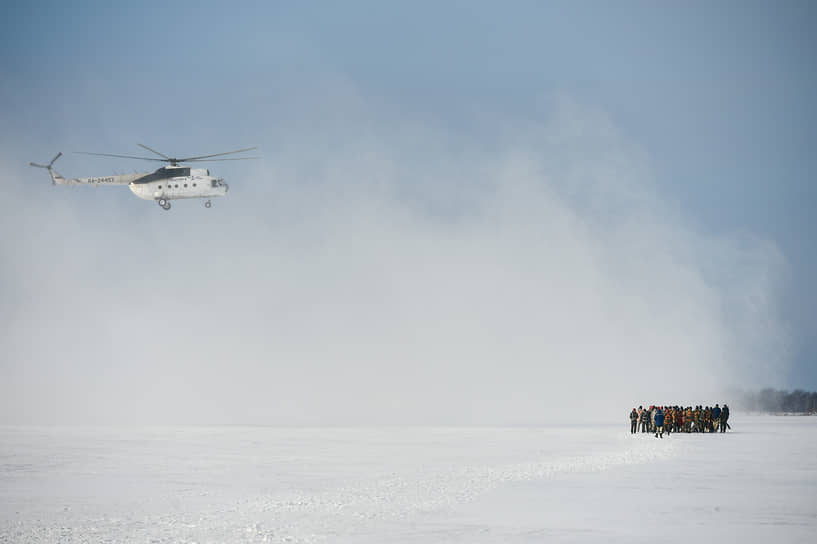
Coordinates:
[465,212]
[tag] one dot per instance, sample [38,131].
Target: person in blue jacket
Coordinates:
[716,416]
[659,423]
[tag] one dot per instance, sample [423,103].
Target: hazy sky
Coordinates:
[465,212]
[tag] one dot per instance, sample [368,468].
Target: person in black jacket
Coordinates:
[724,424]
[633,422]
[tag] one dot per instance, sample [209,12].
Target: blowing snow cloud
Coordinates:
[380,269]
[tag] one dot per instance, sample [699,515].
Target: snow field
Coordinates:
[260,484]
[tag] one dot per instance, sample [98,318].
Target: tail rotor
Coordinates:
[50,168]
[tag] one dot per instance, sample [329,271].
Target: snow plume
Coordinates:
[376,267]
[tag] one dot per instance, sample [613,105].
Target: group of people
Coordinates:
[677,419]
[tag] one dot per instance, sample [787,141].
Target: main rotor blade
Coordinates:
[121,156]
[215,160]
[217,154]
[154,151]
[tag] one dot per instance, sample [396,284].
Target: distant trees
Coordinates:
[776,401]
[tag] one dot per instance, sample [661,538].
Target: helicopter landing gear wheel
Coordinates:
[208,204]
[166,206]
[162,202]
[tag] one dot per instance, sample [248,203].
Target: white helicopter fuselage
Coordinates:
[178,182]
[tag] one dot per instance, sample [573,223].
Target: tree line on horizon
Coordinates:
[775,401]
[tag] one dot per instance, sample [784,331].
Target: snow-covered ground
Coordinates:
[552,484]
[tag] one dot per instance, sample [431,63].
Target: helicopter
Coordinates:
[168,183]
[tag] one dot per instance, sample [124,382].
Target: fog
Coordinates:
[378,267]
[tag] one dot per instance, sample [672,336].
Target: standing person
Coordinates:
[633,421]
[716,417]
[724,418]
[659,423]
[644,415]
